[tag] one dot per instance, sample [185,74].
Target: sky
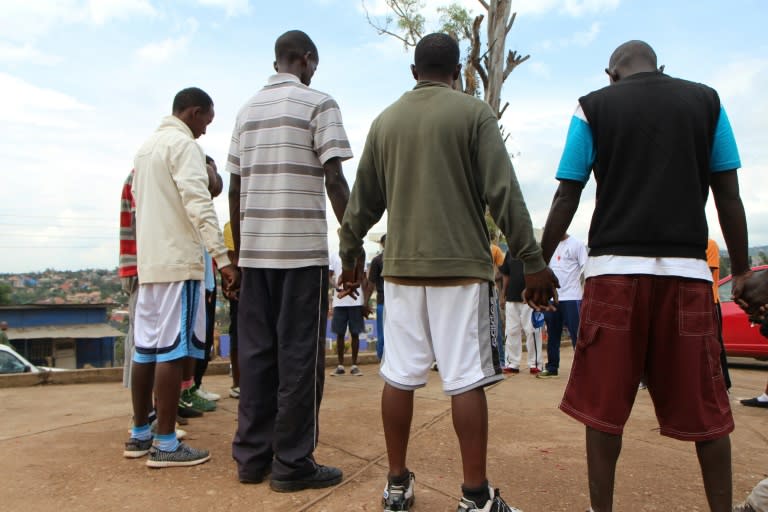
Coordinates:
[85,82]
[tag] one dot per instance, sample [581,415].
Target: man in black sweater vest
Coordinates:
[656,145]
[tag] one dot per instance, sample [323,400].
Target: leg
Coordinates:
[514,335]
[142,382]
[571,310]
[257,354]
[355,342]
[233,343]
[396,415]
[470,421]
[301,374]
[340,348]
[167,391]
[715,461]
[201,365]
[602,454]
[554,321]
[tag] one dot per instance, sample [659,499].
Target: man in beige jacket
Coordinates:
[175,221]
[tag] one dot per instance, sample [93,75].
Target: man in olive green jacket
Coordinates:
[434,160]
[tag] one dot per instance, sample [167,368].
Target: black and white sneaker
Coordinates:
[135,448]
[495,504]
[399,497]
[183,455]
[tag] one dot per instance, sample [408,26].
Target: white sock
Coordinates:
[763,398]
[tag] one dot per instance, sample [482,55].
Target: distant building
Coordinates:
[62,335]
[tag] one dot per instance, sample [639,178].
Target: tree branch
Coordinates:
[484,4]
[411,36]
[501,112]
[511,22]
[513,60]
[474,54]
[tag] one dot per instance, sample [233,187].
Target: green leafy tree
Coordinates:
[5,294]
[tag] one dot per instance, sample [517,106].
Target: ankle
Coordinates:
[478,495]
[399,479]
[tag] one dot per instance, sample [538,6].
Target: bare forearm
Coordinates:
[336,187]
[733,221]
[564,206]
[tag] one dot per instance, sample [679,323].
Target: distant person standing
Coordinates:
[126,270]
[234,391]
[376,282]
[568,265]
[436,155]
[519,320]
[348,313]
[648,309]
[174,214]
[287,147]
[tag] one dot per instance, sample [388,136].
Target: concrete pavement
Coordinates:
[61,449]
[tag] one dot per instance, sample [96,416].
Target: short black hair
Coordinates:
[293,45]
[633,53]
[191,97]
[208,159]
[436,54]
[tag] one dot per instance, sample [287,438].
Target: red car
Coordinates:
[740,338]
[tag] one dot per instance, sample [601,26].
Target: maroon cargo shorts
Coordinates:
[658,327]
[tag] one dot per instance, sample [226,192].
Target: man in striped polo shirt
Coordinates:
[287,146]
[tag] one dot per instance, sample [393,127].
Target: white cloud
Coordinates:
[231,7]
[26,53]
[25,20]
[581,7]
[33,105]
[163,50]
[102,11]
[586,37]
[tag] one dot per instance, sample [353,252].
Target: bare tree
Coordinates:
[486,67]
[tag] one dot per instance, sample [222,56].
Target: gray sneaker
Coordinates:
[338,371]
[184,455]
[135,448]
[355,371]
[495,504]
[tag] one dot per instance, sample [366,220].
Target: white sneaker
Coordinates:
[207,395]
[234,392]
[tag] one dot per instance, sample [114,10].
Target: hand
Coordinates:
[750,291]
[367,311]
[230,280]
[349,281]
[541,290]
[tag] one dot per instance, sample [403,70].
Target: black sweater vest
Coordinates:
[653,135]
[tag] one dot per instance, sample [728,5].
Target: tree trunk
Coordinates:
[498,15]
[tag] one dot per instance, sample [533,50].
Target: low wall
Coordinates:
[218,367]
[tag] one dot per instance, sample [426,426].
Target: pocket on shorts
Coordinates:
[696,314]
[609,302]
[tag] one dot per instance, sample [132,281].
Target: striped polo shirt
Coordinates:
[282,137]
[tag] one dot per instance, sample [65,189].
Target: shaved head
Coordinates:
[633,54]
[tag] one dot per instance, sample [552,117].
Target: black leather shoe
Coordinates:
[754,402]
[256,477]
[323,476]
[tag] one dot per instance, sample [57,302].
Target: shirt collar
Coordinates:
[428,83]
[281,78]
[175,122]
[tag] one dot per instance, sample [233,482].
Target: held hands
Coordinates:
[750,292]
[541,290]
[230,281]
[350,280]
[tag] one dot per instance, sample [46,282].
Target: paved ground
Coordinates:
[61,451]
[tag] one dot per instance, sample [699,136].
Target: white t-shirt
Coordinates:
[568,263]
[347,301]
[676,267]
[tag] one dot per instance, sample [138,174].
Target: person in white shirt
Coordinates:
[568,265]
[347,312]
